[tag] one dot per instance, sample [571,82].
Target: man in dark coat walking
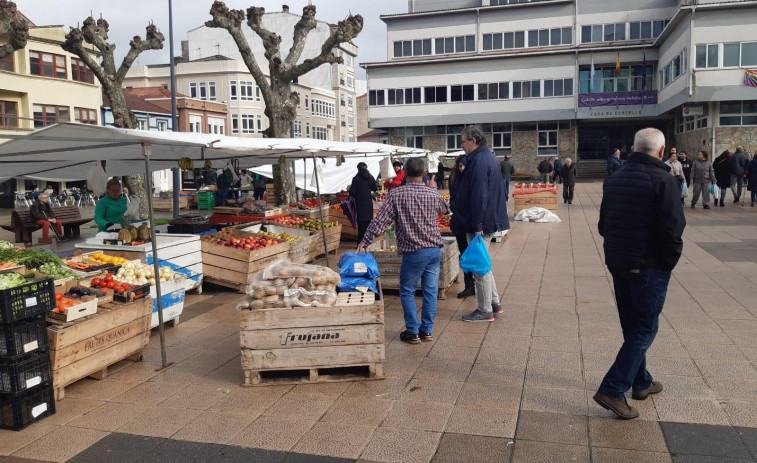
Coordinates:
[481,209]
[363,184]
[613,162]
[568,175]
[544,168]
[642,222]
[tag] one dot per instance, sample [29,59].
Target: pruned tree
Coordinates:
[111,78]
[280,101]
[14,26]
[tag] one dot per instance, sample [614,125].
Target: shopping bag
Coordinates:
[352,264]
[349,210]
[476,258]
[684,190]
[715,190]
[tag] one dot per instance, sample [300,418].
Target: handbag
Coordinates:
[476,257]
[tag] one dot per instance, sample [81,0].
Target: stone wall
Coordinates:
[693,141]
[435,143]
[523,153]
[726,138]
[566,143]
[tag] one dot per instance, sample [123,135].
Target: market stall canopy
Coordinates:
[67,150]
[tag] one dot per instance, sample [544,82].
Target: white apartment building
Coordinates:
[331,86]
[523,70]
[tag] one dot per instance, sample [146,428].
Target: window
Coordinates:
[142,124]
[212,91]
[738,112]
[45,115]
[460,44]
[350,82]
[319,133]
[731,52]
[216,125]
[85,116]
[462,93]
[8,114]
[307,102]
[298,129]
[246,91]
[547,133]
[235,123]
[689,123]
[435,94]
[606,80]
[307,129]
[403,49]
[527,89]
[558,87]
[248,123]
[322,108]
[203,91]
[193,90]
[47,64]
[749,54]
[673,69]
[349,101]
[454,137]
[414,142]
[195,123]
[350,121]
[233,90]
[502,138]
[80,71]
[260,124]
[494,91]
[162,126]
[6,64]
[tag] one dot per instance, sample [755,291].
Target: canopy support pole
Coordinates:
[320,210]
[147,150]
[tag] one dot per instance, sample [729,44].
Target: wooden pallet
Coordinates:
[330,374]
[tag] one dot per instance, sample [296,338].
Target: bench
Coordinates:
[23,227]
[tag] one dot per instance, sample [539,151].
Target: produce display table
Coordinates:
[166,204]
[314,344]
[88,346]
[232,218]
[389,263]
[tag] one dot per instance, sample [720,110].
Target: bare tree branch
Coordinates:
[75,44]
[345,31]
[301,30]
[96,33]
[271,41]
[154,41]
[13,25]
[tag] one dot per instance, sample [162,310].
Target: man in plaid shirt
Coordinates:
[414,208]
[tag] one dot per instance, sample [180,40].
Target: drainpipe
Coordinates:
[576,77]
[691,51]
[478,28]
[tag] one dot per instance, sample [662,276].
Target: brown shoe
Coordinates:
[654,388]
[619,406]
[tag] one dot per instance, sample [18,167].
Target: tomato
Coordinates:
[96,282]
[110,284]
[125,287]
[108,278]
[58,297]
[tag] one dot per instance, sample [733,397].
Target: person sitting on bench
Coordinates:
[42,215]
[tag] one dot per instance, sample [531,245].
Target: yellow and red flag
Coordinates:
[617,64]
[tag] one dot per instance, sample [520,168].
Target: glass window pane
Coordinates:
[504,90]
[508,40]
[506,139]
[731,54]
[408,95]
[516,90]
[467,92]
[712,56]
[482,91]
[548,87]
[417,95]
[543,138]
[441,94]
[749,120]
[470,43]
[635,31]
[608,85]
[609,33]
[567,35]
[400,96]
[730,120]
[487,42]
[676,66]
[407,48]
[459,44]
[701,52]
[417,47]
[520,39]
[456,93]
[750,106]
[493,91]
[657,28]
[533,38]
[439,46]
[555,37]
[525,89]
[597,33]
[552,138]
[429,94]
[497,42]
[583,86]
[620,31]
[568,87]
[730,107]
[535,88]
[749,54]
[497,139]
[585,34]
[646,30]
[558,87]
[427,47]
[622,85]
[449,45]
[544,38]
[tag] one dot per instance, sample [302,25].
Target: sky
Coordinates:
[129,18]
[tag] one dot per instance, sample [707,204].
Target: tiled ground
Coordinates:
[516,390]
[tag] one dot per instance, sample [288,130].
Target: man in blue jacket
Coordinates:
[481,209]
[642,222]
[613,162]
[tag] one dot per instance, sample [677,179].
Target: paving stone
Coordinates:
[178,451]
[455,448]
[547,452]
[119,447]
[552,427]
[233,454]
[694,439]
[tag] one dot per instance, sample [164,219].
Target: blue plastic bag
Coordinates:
[356,284]
[352,264]
[476,258]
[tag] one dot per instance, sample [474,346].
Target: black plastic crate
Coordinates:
[22,338]
[27,300]
[19,412]
[24,373]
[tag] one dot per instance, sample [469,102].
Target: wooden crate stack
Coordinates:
[314,344]
[348,231]
[545,199]
[389,263]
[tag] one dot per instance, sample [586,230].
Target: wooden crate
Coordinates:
[314,344]
[313,213]
[235,268]
[88,346]
[545,199]
[389,263]
[166,204]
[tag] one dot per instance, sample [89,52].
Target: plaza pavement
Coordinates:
[516,390]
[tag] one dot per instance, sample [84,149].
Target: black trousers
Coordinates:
[567,192]
[362,227]
[258,193]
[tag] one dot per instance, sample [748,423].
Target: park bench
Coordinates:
[23,226]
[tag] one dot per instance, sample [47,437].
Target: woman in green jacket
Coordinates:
[111,208]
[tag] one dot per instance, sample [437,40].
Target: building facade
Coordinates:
[42,85]
[336,79]
[568,78]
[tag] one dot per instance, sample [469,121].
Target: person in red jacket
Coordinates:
[397,181]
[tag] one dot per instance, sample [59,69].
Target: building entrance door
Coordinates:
[596,141]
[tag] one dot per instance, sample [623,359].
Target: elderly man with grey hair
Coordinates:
[642,222]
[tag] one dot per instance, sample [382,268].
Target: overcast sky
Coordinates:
[129,17]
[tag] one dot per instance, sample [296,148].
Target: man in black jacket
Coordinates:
[361,190]
[641,220]
[42,215]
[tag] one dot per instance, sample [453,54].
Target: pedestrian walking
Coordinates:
[613,162]
[676,170]
[751,175]
[702,176]
[722,168]
[673,150]
[568,174]
[507,169]
[683,158]
[739,161]
[258,187]
[361,189]
[556,173]
[414,209]
[455,177]
[642,242]
[544,168]
[481,209]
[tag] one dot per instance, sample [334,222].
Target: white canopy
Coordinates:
[67,150]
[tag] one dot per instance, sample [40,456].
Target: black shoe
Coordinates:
[565,201]
[617,405]
[693,205]
[409,337]
[425,337]
[466,292]
[705,206]
[735,200]
[570,202]
[654,388]
[721,203]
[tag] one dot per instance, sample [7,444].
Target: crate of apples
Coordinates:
[250,243]
[288,221]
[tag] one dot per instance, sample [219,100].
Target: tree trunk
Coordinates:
[280,117]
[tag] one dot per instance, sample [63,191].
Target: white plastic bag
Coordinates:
[318,174]
[97,180]
[133,208]
[387,171]
[538,215]
[432,162]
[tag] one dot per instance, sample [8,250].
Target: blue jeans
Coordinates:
[723,191]
[640,295]
[507,188]
[422,265]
